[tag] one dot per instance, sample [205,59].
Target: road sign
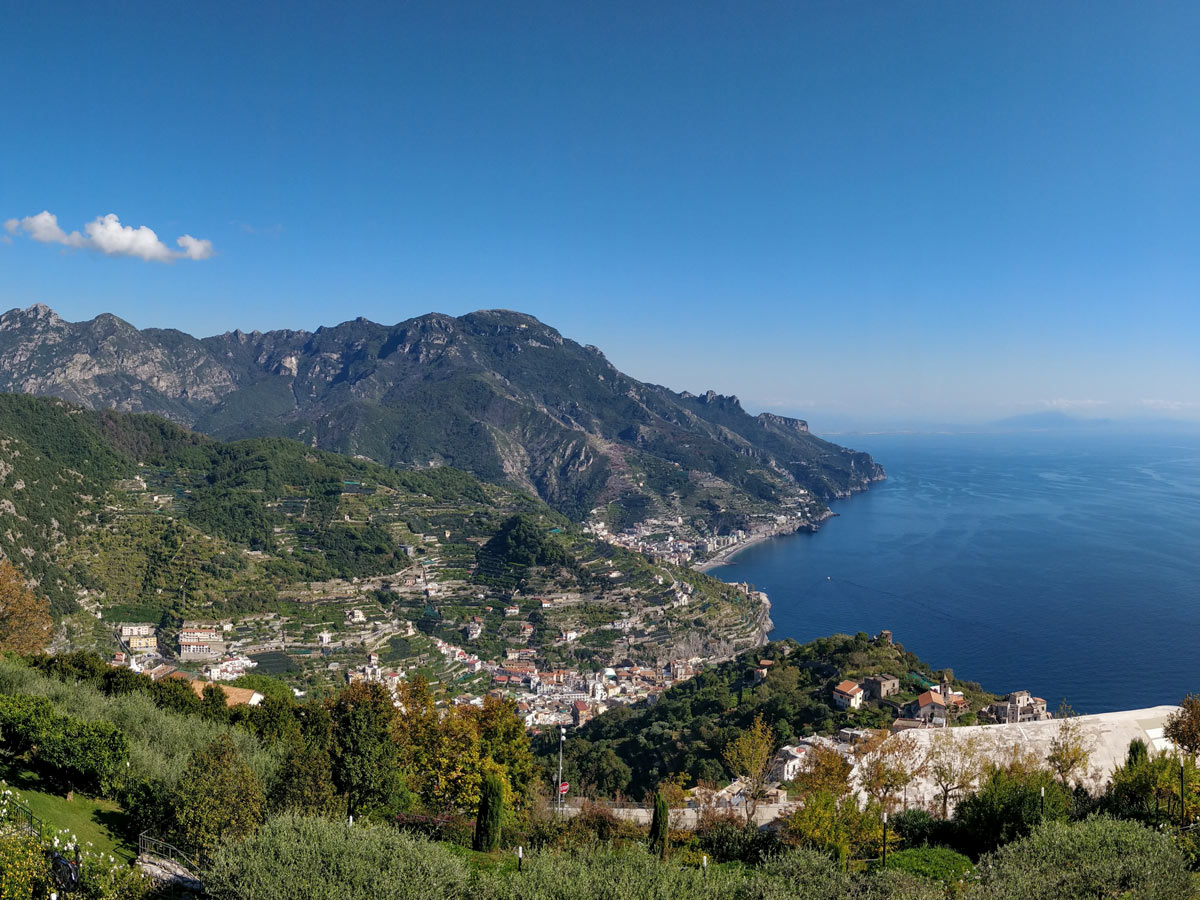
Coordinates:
[564,787]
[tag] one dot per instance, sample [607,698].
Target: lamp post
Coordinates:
[1043,801]
[885,839]
[562,739]
[1182,808]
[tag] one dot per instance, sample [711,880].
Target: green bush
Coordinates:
[79,754]
[491,814]
[1099,857]
[604,875]
[727,838]
[292,858]
[917,828]
[807,873]
[1007,807]
[23,872]
[936,863]
[659,827]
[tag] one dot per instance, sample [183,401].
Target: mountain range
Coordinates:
[494,392]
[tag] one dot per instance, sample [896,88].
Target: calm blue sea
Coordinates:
[1068,565]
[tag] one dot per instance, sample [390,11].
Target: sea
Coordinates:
[1066,564]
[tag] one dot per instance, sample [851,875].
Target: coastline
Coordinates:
[726,554]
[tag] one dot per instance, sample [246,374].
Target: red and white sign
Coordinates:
[564,787]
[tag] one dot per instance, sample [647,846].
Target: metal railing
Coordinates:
[152,846]
[23,816]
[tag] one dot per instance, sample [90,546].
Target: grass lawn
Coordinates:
[101,822]
[500,861]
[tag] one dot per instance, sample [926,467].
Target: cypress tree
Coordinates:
[658,826]
[491,810]
[1138,753]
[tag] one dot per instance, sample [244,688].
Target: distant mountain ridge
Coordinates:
[495,392]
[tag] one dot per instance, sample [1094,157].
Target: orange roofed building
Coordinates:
[234,696]
[848,695]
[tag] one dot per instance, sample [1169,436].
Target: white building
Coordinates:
[848,695]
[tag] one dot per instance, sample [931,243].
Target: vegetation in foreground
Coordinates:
[260,800]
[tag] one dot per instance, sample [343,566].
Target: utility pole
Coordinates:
[885,840]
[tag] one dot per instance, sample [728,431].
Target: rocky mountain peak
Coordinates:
[39,315]
[799,425]
[495,392]
[712,398]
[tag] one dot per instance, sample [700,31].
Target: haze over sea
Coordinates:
[1066,564]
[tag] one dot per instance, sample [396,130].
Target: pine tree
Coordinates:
[491,811]
[659,824]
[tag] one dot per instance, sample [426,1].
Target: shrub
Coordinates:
[935,863]
[1099,857]
[659,827]
[593,822]
[603,875]
[22,866]
[293,858]
[726,838]
[1007,807]
[219,799]
[807,873]
[917,828]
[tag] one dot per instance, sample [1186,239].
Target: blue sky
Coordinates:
[926,210]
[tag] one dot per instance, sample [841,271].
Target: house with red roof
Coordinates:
[848,695]
[929,707]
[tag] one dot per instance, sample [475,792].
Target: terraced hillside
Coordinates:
[131,517]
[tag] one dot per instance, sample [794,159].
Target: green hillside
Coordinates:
[135,506]
[119,517]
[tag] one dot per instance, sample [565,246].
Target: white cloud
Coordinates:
[44,227]
[110,237]
[106,234]
[195,248]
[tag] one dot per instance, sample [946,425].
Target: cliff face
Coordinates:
[495,392]
[108,363]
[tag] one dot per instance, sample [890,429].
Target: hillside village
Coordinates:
[695,542]
[547,696]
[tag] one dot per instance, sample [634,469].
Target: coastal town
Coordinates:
[674,540]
